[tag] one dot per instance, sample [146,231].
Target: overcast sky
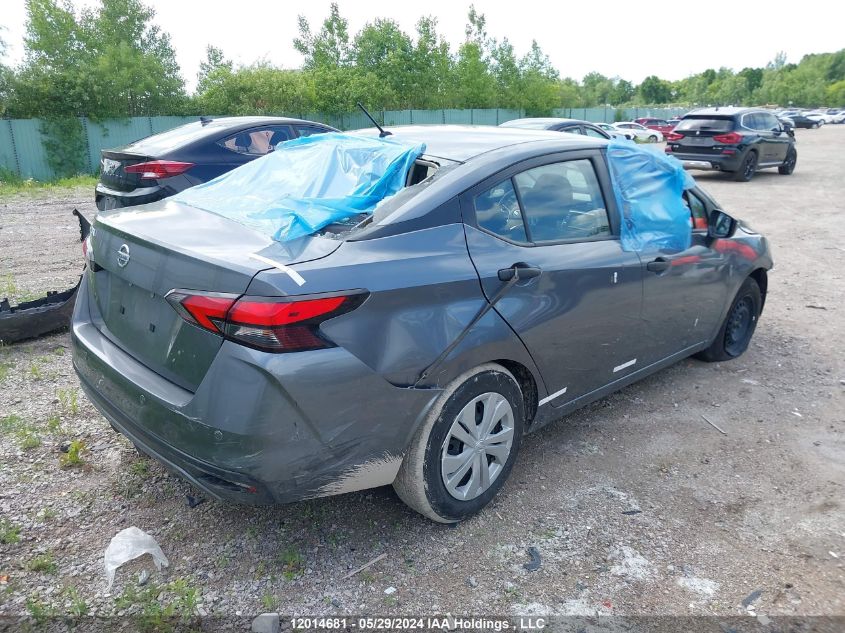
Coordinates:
[626,39]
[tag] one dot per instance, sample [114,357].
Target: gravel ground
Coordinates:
[635,504]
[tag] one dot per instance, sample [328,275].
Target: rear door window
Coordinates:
[257,141]
[497,211]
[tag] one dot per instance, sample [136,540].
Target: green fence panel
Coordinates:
[22,144]
[8,151]
[504,114]
[164,123]
[457,117]
[397,117]
[32,157]
[114,133]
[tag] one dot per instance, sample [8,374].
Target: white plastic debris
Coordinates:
[128,545]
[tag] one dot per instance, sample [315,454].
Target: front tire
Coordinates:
[652,139]
[739,325]
[748,168]
[465,448]
[789,162]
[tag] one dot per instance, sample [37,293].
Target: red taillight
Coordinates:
[273,324]
[158,169]
[731,138]
[673,136]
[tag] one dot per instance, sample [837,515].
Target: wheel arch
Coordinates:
[527,385]
[762,278]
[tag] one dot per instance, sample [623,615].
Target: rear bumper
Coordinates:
[261,428]
[106,198]
[717,162]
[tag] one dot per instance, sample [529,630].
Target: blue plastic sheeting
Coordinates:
[649,188]
[308,183]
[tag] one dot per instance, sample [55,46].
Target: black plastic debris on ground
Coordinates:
[534,563]
[31,319]
[193,502]
[752,597]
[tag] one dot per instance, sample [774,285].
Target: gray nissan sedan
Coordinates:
[413,346]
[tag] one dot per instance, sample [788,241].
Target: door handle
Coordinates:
[521,271]
[658,265]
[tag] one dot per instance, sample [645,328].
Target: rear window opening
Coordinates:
[420,175]
[705,124]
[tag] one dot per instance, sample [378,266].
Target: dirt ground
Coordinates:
[635,504]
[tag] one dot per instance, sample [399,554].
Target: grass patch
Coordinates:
[4,370]
[73,457]
[11,184]
[47,513]
[269,602]
[43,563]
[39,611]
[292,563]
[24,433]
[178,603]
[9,533]
[69,400]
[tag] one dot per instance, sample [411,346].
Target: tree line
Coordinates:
[113,61]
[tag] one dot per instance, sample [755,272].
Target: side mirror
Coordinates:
[720,225]
[777,130]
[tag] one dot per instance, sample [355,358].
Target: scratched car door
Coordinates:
[579,312]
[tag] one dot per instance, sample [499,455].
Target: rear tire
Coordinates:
[738,327]
[652,139]
[815,126]
[748,168]
[789,162]
[437,450]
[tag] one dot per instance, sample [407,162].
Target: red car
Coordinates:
[661,125]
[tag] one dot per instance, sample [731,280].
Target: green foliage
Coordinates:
[15,185]
[9,533]
[106,62]
[43,563]
[64,142]
[111,61]
[160,608]
[24,433]
[73,457]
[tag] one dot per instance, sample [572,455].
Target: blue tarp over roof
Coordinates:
[308,183]
[649,187]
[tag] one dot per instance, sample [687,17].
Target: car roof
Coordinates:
[462,142]
[549,121]
[232,121]
[723,111]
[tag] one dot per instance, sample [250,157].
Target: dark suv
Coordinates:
[736,140]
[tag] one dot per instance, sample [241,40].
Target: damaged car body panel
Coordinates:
[267,371]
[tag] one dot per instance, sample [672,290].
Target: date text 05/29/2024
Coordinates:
[422,623]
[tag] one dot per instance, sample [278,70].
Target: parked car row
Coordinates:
[812,118]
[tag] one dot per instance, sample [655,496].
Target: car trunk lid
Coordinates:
[142,253]
[113,164]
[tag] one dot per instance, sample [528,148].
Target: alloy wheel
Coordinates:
[477,446]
